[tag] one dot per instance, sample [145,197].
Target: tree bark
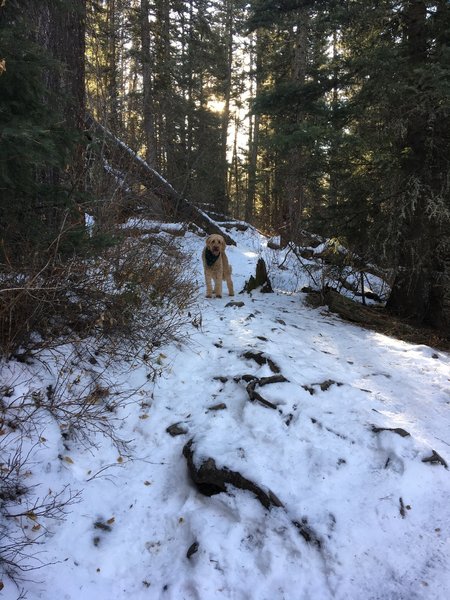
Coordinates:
[148,107]
[163,91]
[229,30]
[254,122]
[294,184]
[60,30]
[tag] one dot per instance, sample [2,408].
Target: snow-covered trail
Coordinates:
[378,515]
[327,466]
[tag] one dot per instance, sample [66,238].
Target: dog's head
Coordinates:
[215,244]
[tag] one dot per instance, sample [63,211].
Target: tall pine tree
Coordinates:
[41,113]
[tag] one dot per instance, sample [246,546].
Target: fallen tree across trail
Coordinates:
[119,153]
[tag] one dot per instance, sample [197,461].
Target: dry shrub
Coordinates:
[152,292]
[131,297]
[86,407]
[134,293]
[23,513]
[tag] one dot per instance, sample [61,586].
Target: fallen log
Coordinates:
[155,182]
[352,311]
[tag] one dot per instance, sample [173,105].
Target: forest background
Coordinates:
[294,115]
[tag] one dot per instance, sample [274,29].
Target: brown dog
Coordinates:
[216,266]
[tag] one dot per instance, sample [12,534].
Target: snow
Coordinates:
[138,513]
[151,224]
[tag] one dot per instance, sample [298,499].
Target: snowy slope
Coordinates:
[379,516]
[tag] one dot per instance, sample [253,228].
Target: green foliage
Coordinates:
[356,101]
[34,144]
[267,13]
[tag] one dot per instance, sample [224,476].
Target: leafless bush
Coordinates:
[85,407]
[23,513]
[135,292]
[152,291]
[334,266]
[118,296]
[82,400]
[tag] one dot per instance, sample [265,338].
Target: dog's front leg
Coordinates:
[208,280]
[218,285]
[230,286]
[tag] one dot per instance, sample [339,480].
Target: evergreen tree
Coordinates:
[40,111]
[296,96]
[367,124]
[394,159]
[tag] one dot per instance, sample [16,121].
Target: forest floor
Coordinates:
[355,448]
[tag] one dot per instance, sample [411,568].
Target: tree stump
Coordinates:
[260,280]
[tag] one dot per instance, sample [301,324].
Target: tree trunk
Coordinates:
[229,30]
[60,30]
[148,108]
[294,184]
[254,122]
[112,83]
[163,91]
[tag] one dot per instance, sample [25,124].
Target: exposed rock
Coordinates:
[255,396]
[103,526]
[192,549]
[210,479]
[325,385]
[273,366]
[235,303]
[175,430]
[397,430]
[258,357]
[435,459]
[221,406]
[247,377]
[309,389]
[307,533]
[273,379]
[261,359]
[288,419]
